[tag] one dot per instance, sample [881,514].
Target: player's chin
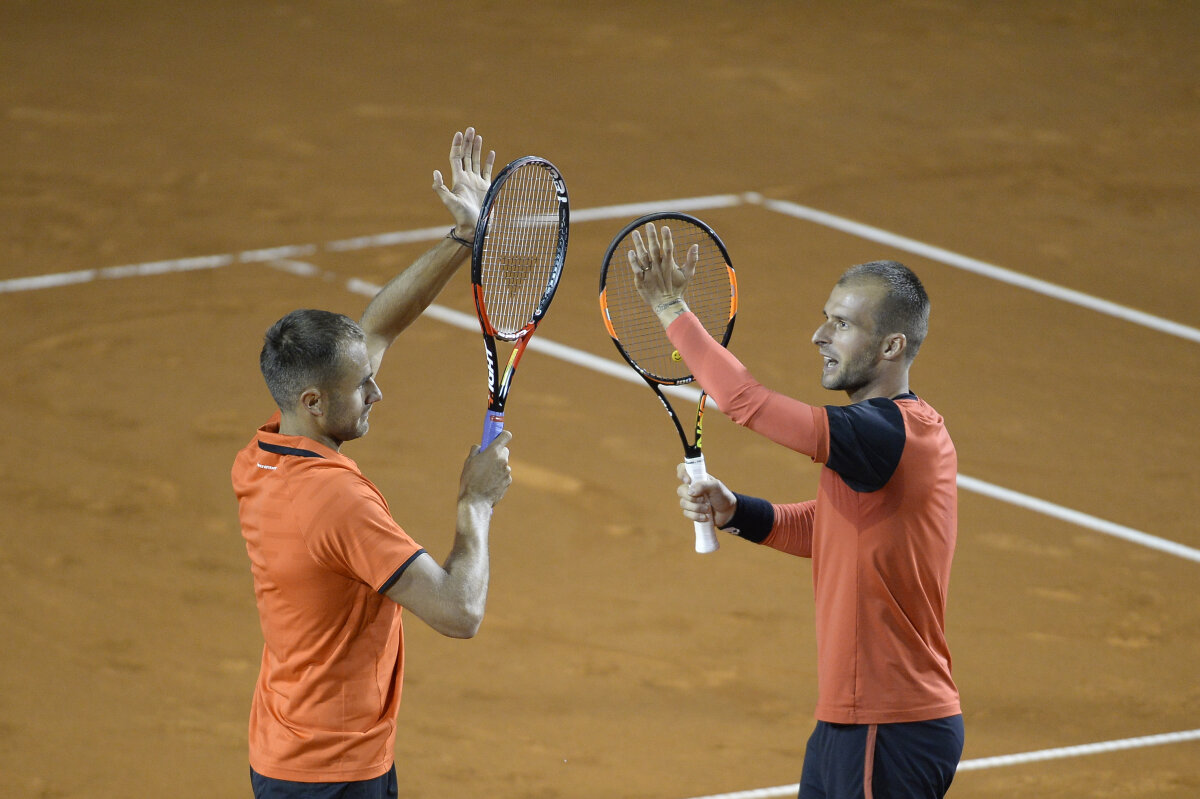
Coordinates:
[358,431]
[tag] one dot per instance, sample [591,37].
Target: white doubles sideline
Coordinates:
[1002,760]
[623,372]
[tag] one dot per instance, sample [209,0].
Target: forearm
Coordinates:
[468,565]
[743,399]
[788,528]
[451,598]
[406,296]
[792,531]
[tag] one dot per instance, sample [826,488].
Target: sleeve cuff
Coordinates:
[387,586]
[752,519]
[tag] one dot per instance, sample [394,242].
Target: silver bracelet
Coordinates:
[460,240]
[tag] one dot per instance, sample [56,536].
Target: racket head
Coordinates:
[632,323]
[520,247]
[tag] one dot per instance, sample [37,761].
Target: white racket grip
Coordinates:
[706,535]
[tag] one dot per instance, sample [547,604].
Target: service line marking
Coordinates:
[621,371]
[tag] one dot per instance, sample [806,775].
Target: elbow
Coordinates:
[465,624]
[740,406]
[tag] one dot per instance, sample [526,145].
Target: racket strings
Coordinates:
[709,295]
[520,249]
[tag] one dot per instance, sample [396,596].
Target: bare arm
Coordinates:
[451,598]
[405,296]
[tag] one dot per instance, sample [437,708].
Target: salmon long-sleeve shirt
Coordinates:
[881,535]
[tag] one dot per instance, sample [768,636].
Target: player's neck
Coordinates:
[887,386]
[292,424]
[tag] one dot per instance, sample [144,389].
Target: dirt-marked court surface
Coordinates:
[1053,139]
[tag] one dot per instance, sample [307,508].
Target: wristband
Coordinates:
[460,240]
[752,519]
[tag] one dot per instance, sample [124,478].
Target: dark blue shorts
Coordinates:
[913,760]
[382,787]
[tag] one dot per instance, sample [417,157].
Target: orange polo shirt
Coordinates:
[881,545]
[323,551]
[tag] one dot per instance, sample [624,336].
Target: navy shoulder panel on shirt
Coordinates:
[866,441]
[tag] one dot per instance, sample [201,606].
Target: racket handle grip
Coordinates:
[706,536]
[493,423]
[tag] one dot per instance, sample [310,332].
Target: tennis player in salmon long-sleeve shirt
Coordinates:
[881,531]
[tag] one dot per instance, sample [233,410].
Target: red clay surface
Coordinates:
[1057,140]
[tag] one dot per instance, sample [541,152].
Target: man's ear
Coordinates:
[313,401]
[894,346]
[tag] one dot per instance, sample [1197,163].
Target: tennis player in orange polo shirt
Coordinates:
[332,569]
[881,531]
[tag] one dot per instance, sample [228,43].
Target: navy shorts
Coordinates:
[382,787]
[913,760]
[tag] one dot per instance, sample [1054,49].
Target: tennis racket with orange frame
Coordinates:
[639,336]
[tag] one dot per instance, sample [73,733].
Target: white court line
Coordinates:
[604,366]
[281,256]
[982,268]
[58,279]
[621,371]
[633,210]
[995,762]
[1079,519]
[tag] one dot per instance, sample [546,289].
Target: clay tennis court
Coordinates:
[236,160]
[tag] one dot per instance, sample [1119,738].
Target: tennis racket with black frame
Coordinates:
[639,336]
[516,262]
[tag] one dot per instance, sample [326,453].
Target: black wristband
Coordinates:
[752,519]
[451,235]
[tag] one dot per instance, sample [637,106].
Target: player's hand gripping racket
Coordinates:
[639,336]
[520,248]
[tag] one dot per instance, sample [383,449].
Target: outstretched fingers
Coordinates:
[641,261]
[472,145]
[469,178]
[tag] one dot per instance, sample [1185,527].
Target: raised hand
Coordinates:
[659,280]
[470,176]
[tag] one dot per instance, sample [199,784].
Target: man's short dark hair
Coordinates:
[905,308]
[304,349]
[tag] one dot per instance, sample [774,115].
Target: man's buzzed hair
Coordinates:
[905,306]
[304,349]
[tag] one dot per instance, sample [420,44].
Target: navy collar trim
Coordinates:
[278,450]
